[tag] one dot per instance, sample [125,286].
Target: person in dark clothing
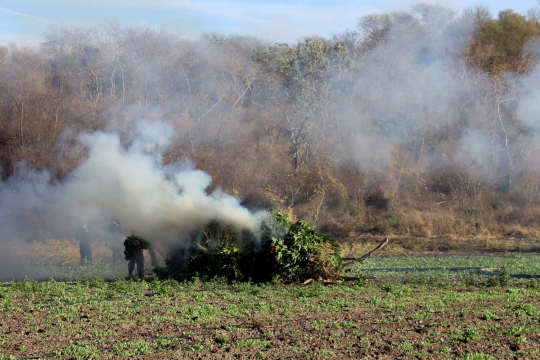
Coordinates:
[84,244]
[134,246]
[115,241]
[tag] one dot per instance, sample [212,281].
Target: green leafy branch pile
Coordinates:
[306,253]
[279,251]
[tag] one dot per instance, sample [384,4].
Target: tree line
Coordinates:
[418,122]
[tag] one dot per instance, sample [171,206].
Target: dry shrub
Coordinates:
[337,230]
[377,200]
[413,246]
[452,180]
[527,217]
[425,223]
[508,244]
[289,212]
[414,223]
[443,223]
[531,216]
[435,221]
[513,216]
[515,231]
[257,200]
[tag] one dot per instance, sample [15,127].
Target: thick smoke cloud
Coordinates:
[409,108]
[131,184]
[406,89]
[528,90]
[417,95]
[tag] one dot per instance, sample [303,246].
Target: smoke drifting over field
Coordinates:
[402,109]
[131,184]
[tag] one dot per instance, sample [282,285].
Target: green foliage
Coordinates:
[223,261]
[475,356]
[292,252]
[501,279]
[305,66]
[305,252]
[227,309]
[75,351]
[167,286]
[489,315]
[98,282]
[525,310]
[471,279]
[314,291]
[469,335]
[275,59]
[234,256]
[135,347]
[498,43]
[251,342]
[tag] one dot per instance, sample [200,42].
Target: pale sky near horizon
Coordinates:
[25,22]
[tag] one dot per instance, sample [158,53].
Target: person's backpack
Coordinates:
[136,242]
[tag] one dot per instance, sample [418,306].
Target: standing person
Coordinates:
[134,246]
[115,241]
[84,244]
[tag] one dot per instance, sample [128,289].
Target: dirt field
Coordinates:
[413,318]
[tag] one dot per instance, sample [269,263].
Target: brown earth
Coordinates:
[356,331]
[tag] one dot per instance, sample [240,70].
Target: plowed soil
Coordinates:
[378,321]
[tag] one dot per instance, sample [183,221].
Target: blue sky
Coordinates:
[24,22]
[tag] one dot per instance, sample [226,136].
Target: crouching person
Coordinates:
[133,251]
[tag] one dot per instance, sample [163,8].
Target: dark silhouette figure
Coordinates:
[84,244]
[134,246]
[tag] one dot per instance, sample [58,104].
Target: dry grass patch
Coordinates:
[61,252]
[412,246]
[515,231]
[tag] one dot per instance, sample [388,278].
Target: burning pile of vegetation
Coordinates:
[289,252]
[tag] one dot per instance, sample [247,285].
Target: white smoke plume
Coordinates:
[528,109]
[160,201]
[416,93]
